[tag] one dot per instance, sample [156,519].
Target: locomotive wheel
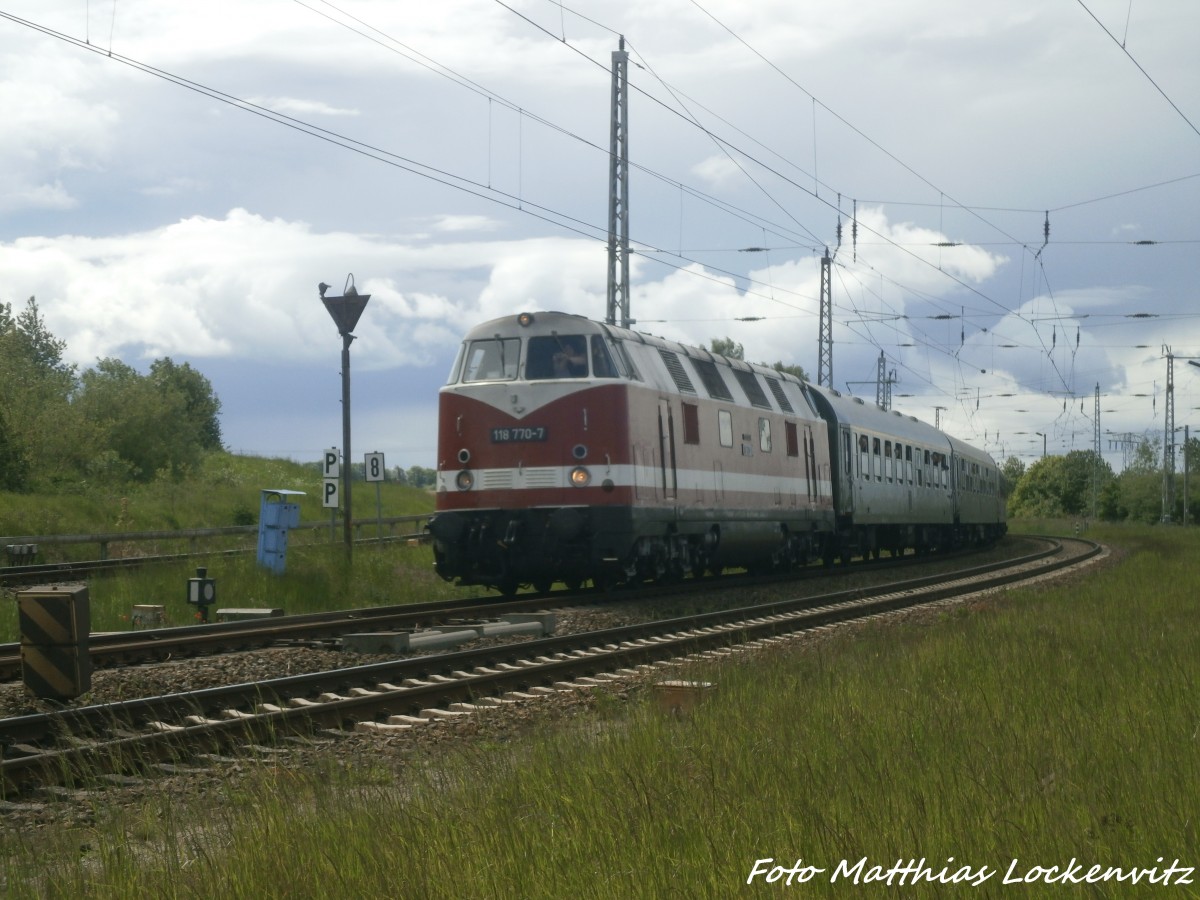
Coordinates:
[542,585]
[508,586]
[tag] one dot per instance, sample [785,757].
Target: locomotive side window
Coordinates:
[557,356]
[764,435]
[792,439]
[494,359]
[602,362]
[691,423]
[725,427]
[625,365]
[457,367]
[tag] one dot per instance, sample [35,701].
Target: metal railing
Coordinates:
[415,529]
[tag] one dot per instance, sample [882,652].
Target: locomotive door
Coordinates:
[666,443]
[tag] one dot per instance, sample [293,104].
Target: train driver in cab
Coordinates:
[569,360]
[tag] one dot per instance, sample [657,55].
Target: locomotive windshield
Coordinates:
[494,359]
[567,356]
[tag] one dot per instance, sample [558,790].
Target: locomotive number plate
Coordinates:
[523,433]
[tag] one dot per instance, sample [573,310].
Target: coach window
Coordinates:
[908,463]
[864,456]
[764,435]
[725,427]
[888,464]
[691,423]
[878,459]
[492,360]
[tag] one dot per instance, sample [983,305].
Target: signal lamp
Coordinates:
[580,477]
[464,480]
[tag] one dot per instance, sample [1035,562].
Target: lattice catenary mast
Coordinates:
[618,193]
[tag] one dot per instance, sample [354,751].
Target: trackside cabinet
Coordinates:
[278,511]
[55,621]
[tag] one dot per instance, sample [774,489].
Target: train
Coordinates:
[574,451]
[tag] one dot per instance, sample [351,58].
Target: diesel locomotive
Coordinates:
[570,450]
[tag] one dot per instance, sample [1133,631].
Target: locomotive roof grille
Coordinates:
[753,389]
[780,396]
[713,382]
[678,374]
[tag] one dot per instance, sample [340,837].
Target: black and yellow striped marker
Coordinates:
[55,622]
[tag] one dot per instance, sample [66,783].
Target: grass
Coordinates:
[1052,724]
[226,491]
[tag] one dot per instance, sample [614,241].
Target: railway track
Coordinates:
[151,645]
[74,745]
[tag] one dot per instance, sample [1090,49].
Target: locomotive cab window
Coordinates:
[494,359]
[557,356]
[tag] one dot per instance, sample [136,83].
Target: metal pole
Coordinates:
[825,330]
[1186,436]
[347,527]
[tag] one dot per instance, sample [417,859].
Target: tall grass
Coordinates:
[225,490]
[1047,725]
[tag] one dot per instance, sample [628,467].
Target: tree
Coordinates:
[421,477]
[793,369]
[727,347]
[1010,475]
[201,405]
[1059,485]
[40,432]
[731,349]
[143,422]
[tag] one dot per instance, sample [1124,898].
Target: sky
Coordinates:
[1015,184]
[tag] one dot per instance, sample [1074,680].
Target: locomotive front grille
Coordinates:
[496,479]
[543,477]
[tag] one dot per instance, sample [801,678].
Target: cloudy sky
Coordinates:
[176,179]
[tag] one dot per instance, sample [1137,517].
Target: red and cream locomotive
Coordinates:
[570,450]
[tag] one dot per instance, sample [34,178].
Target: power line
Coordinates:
[1121,44]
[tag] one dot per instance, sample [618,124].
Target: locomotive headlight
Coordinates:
[580,477]
[464,480]
[525,320]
